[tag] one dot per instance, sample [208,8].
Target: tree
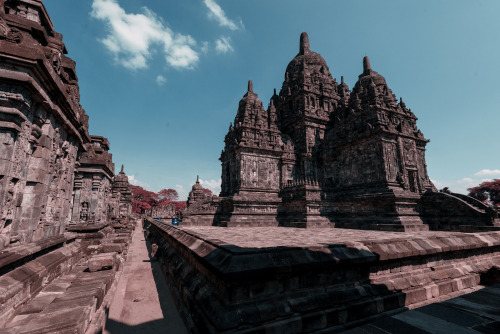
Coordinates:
[207,192]
[487,192]
[139,206]
[168,195]
[143,199]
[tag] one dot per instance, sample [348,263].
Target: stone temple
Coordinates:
[351,163]
[64,215]
[323,155]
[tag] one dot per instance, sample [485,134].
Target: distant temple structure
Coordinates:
[324,156]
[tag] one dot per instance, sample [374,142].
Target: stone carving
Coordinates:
[41,152]
[10,34]
[322,155]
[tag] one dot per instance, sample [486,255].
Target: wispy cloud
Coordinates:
[161,80]
[132,180]
[133,38]
[216,12]
[461,185]
[487,172]
[212,185]
[183,193]
[204,47]
[223,45]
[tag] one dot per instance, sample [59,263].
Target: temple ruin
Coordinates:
[58,191]
[324,156]
[351,162]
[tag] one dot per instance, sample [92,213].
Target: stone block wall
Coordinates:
[252,280]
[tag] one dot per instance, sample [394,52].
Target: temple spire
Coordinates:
[304,43]
[366,64]
[250,86]
[342,80]
[122,170]
[197,179]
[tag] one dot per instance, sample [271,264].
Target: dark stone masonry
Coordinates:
[350,163]
[59,197]
[324,156]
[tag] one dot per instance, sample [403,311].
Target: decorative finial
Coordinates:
[304,43]
[250,86]
[275,91]
[366,64]
[341,79]
[197,179]
[122,169]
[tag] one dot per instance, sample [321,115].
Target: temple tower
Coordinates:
[306,101]
[308,96]
[251,164]
[375,158]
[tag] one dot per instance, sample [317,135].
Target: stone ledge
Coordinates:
[13,254]
[235,280]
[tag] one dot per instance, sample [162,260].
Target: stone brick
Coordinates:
[102,261]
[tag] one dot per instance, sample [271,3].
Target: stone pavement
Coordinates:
[478,312]
[136,307]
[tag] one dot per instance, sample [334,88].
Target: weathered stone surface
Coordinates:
[237,279]
[92,203]
[324,156]
[52,173]
[164,211]
[102,261]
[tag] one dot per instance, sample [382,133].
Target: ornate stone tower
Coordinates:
[375,158]
[306,101]
[307,97]
[122,195]
[251,164]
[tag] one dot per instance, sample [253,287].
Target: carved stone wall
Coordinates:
[322,155]
[164,211]
[44,138]
[92,188]
[42,125]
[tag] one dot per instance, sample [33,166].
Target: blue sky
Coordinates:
[161,79]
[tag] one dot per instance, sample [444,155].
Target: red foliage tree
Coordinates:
[143,199]
[487,192]
[208,192]
[168,195]
[140,207]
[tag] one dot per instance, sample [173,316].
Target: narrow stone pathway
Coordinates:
[136,306]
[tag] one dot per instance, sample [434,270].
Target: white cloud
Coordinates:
[132,180]
[161,80]
[204,47]
[223,45]
[487,172]
[133,38]
[461,185]
[183,193]
[212,185]
[216,12]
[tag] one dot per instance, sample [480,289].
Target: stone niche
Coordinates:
[324,156]
[92,193]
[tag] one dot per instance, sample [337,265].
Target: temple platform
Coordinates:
[273,279]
